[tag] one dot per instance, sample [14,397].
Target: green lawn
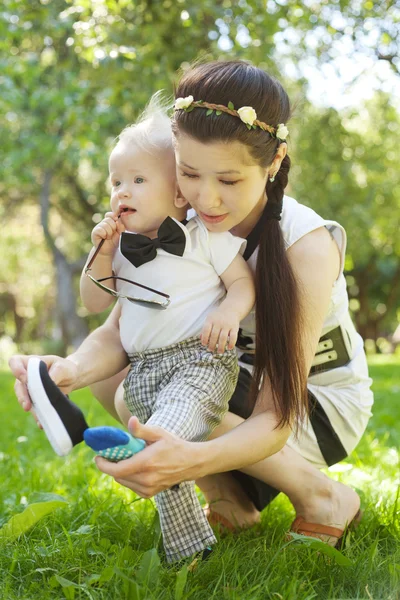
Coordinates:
[101,543]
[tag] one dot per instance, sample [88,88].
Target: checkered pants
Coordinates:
[184,389]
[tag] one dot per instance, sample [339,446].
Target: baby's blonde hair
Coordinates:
[152,131]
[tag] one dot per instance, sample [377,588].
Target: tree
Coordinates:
[75,72]
[345,167]
[71,83]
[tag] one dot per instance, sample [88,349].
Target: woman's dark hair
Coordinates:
[279,354]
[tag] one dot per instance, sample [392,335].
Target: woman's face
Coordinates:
[221,182]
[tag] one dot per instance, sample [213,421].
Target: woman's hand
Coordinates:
[62,371]
[166,461]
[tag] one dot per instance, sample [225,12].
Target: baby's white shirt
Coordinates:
[192,281]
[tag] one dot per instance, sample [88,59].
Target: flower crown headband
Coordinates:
[247,114]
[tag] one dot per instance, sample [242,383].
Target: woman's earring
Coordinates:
[272,179]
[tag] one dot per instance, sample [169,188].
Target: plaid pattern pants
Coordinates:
[184,389]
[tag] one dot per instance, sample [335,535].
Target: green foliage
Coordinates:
[367,28]
[103,543]
[181,579]
[21,523]
[322,547]
[345,168]
[75,72]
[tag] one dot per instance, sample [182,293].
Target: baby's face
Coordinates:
[143,187]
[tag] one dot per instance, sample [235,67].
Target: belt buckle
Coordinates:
[331,352]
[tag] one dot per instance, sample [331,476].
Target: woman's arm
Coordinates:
[169,460]
[100,356]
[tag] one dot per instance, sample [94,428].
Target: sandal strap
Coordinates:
[300,525]
[215,518]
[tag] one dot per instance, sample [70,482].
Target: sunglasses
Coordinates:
[161,304]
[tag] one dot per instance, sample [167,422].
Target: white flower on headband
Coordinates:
[247,114]
[183,102]
[282,132]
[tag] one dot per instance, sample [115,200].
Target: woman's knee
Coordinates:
[105,392]
[120,407]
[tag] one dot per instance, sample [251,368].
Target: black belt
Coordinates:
[331,353]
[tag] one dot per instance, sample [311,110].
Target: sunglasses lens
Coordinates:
[105,289]
[148,303]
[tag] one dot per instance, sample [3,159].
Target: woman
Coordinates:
[310,387]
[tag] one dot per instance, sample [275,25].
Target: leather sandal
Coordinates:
[315,530]
[222,523]
[218,521]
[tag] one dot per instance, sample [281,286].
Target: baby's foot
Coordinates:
[62,421]
[112,443]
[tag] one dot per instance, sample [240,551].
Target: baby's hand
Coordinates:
[109,229]
[219,326]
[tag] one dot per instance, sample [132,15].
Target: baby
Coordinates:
[180,340]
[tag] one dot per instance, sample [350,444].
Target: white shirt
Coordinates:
[298,220]
[192,281]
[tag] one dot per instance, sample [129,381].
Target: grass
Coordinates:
[102,542]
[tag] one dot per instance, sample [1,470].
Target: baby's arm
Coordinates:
[109,229]
[223,322]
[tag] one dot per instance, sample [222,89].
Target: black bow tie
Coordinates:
[139,249]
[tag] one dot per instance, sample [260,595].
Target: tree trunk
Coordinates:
[8,304]
[368,321]
[73,328]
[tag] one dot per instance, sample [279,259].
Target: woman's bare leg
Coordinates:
[105,392]
[122,410]
[314,496]
[225,496]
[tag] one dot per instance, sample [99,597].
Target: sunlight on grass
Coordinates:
[103,543]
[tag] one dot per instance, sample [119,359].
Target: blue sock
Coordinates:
[112,443]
